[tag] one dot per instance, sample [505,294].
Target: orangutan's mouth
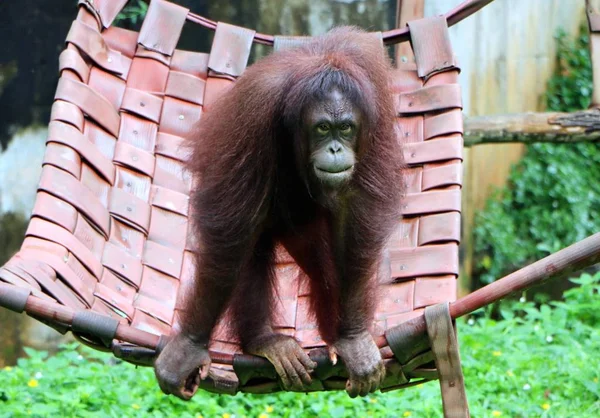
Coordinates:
[334,171]
[334,178]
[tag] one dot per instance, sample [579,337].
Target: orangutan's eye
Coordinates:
[345,128]
[322,128]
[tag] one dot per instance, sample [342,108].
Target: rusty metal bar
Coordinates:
[459,13]
[578,256]
[391,37]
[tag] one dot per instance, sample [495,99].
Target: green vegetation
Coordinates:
[133,12]
[553,197]
[535,362]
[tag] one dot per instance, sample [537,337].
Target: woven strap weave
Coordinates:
[109,231]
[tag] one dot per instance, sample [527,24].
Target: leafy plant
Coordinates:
[133,12]
[552,198]
[570,89]
[536,362]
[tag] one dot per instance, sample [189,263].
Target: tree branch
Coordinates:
[528,128]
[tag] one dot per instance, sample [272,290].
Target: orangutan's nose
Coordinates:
[334,147]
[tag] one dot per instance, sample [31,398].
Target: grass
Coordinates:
[536,361]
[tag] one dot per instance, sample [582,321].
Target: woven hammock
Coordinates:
[107,252]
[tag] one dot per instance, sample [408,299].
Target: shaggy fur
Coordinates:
[251,192]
